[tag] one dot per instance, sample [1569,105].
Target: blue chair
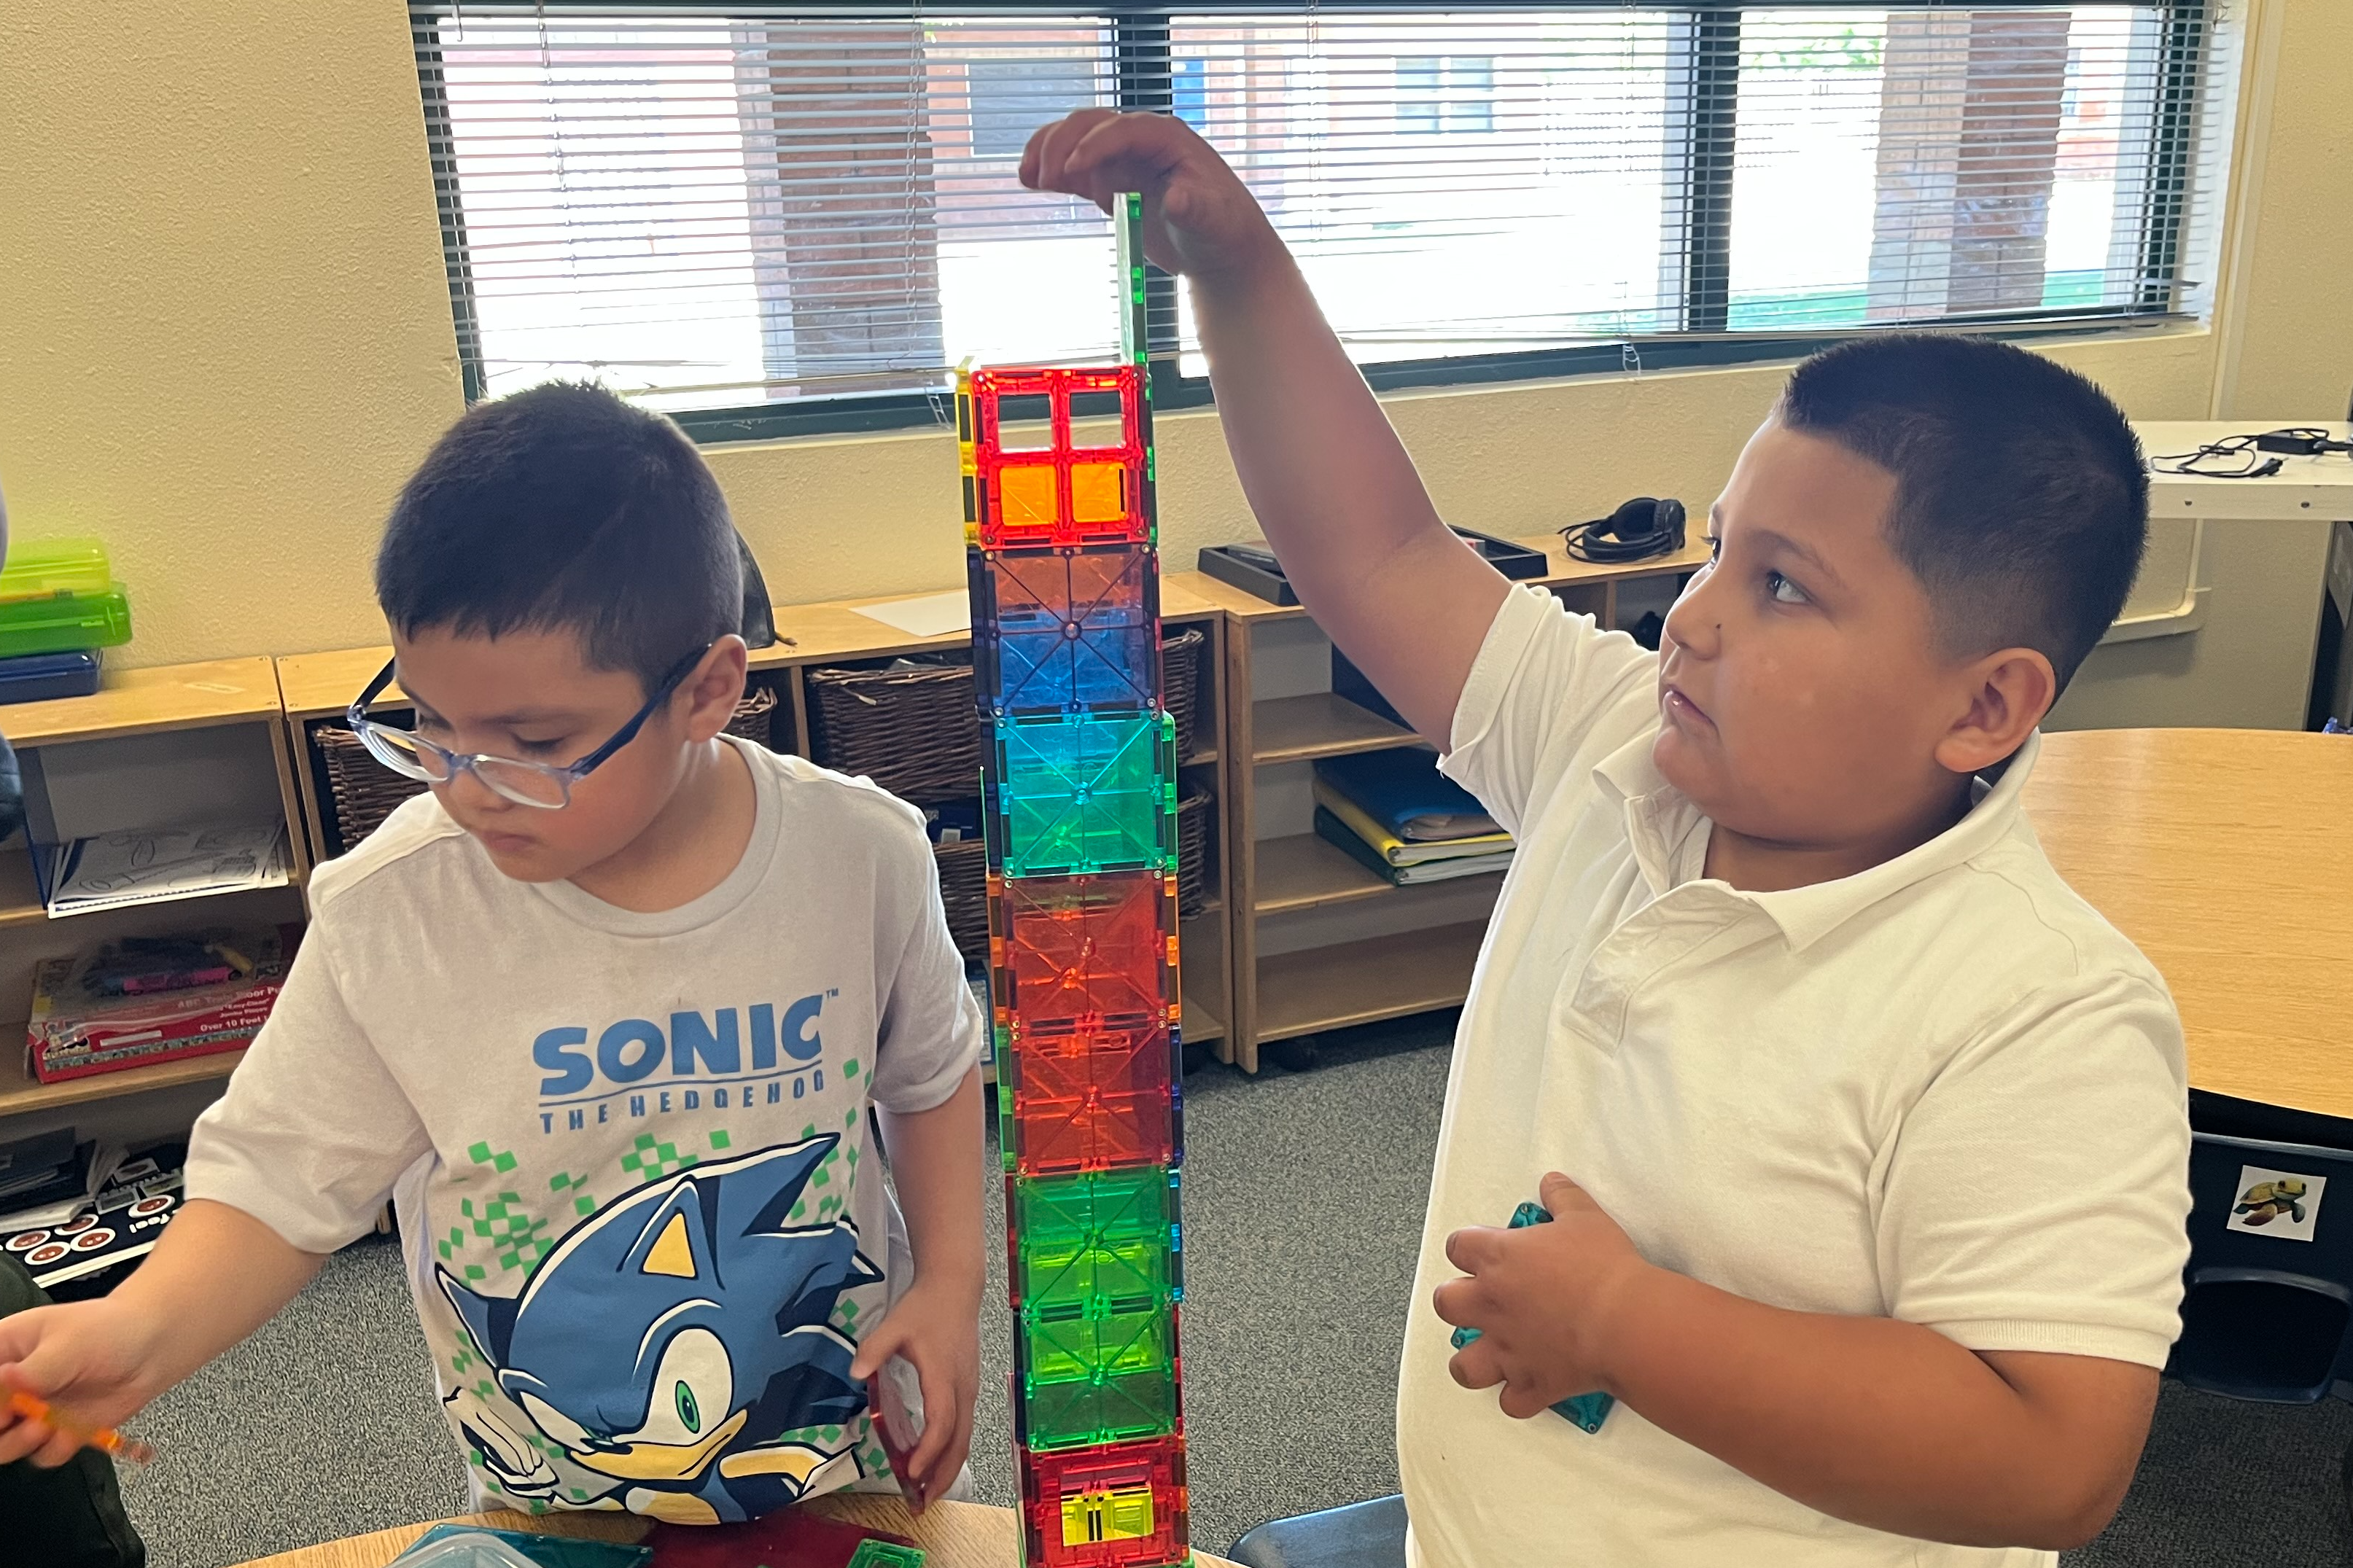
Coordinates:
[1361,1535]
[2266,1312]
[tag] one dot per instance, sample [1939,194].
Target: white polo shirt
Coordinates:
[1943,1090]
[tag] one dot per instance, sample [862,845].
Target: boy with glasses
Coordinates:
[603,1014]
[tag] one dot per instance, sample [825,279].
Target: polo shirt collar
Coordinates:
[1659,818]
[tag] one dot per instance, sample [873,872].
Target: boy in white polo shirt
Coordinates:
[1862,1137]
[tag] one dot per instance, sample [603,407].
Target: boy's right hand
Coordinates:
[87,1358]
[1199,219]
[1331,485]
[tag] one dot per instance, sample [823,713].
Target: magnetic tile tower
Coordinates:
[1081,782]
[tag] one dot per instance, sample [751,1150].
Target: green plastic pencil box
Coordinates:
[43,568]
[62,623]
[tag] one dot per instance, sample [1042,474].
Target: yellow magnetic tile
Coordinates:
[1098,492]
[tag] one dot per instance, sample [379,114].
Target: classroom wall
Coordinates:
[225,337]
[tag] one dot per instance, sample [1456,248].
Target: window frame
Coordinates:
[1708,59]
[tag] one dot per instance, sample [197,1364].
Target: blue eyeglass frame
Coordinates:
[466,761]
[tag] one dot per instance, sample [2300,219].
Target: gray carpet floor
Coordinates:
[1303,1197]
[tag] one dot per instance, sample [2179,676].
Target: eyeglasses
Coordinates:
[542,784]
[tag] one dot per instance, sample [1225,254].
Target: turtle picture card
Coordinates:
[2282,1204]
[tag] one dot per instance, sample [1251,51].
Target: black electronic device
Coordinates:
[759,628]
[1253,568]
[1639,529]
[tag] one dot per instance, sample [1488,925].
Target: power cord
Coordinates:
[2254,455]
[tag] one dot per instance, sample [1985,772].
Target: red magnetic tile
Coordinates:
[1059,493]
[1088,1508]
[1085,952]
[1092,1102]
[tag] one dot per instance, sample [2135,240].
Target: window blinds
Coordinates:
[717,207]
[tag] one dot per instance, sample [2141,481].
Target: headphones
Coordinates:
[1643,526]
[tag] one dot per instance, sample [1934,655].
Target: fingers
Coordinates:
[878,1346]
[59,1447]
[21,1437]
[940,1474]
[1050,147]
[944,1407]
[1098,153]
[1474,1247]
[1475,1365]
[1521,1402]
[1459,1302]
[1559,1194]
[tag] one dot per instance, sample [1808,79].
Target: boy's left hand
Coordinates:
[1543,1299]
[936,1328]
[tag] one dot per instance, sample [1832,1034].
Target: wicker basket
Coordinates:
[755,716]
[363,791]
[963,890]
[915,733]
[1181,683]
[1193,851]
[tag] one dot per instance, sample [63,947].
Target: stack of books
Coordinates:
[1395,812]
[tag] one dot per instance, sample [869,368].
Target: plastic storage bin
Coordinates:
[64,623]
[43,677]
[38,568]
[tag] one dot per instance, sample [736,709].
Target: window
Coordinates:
[1010,99]
[767,217]
[1436,94]
[1188,96]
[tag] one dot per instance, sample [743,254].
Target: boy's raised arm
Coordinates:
[1331,484]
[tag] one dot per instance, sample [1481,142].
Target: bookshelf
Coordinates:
[1318,942]
[162,747]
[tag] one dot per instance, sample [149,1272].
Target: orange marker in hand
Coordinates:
[106,1439]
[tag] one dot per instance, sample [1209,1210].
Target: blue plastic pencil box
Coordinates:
[1585,1411]
[45,676]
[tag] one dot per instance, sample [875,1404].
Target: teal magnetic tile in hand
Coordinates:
[1080,794]
[1067,630]
[1094,1243]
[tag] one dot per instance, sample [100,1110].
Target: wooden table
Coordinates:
[2227,855]
[952,1534]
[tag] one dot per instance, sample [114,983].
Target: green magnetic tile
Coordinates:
[1080,1415]
[1091,1243]
[1083,794]
[1096,1348]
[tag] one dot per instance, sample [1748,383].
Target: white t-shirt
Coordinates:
[1942,1090]
[629,1152]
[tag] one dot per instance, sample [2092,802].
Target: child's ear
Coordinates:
[714,688]
[2007,691]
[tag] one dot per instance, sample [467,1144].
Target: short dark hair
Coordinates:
[2021,502]
[562,508]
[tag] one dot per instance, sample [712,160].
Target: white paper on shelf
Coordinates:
[932,615]
[152,865]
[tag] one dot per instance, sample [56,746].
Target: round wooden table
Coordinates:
[2227,855]
[952,1534]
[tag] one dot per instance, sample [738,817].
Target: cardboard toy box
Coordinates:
[137,1002]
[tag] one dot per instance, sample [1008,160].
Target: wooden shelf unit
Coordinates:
[316,688]
[152,713]
[1277,871]
[1319,724]
[19,1093]
[1318,988]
